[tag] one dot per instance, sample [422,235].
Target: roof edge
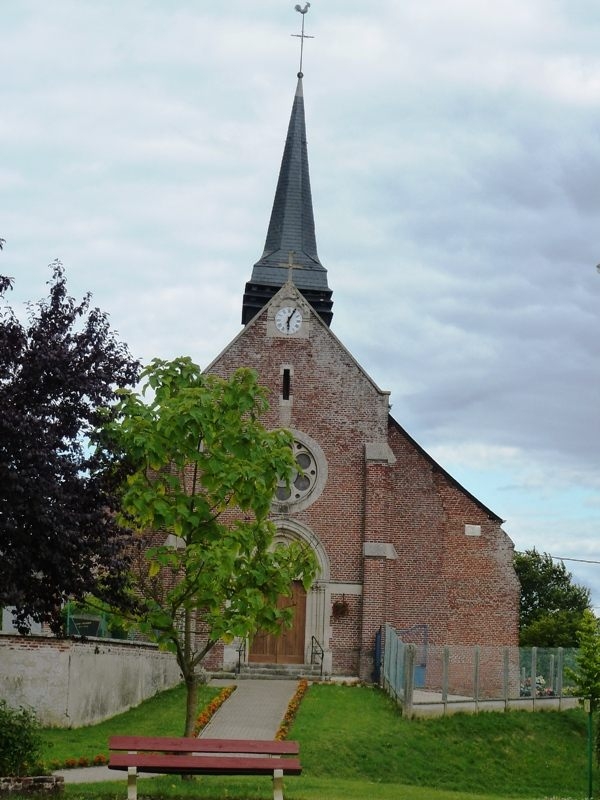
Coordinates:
[491,514]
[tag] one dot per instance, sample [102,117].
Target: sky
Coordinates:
[454,150]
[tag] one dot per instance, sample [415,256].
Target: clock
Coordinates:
[288,319]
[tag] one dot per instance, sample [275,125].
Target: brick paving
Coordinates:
[254,710]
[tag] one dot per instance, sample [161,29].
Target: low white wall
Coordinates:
[70,684]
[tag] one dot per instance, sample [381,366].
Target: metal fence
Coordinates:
[97,626]
[427,678]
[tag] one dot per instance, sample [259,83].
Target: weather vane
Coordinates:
[302,36]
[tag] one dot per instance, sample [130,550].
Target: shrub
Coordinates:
[21,742]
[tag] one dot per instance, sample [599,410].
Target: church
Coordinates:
[396,538]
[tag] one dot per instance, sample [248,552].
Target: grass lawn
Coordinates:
[354,744]
[162,715]
[304,788]
[357,732]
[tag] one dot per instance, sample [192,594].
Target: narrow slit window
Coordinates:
[286,384]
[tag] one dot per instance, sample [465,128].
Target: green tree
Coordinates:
[203,473]
[587,674]
[552,606]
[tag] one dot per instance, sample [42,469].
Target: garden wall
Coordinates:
[70,683]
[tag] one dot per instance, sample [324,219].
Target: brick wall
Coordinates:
[462,587]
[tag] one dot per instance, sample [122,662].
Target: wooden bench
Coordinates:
[186,756]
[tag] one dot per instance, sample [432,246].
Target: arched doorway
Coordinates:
[287,647]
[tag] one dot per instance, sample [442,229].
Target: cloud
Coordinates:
[454,153]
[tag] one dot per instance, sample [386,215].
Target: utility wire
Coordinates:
[563,558]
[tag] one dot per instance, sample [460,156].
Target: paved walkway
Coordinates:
[253,711]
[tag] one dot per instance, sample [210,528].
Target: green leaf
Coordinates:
[153,569]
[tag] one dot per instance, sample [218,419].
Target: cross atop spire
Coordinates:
[302,36]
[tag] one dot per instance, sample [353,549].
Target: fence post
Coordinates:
[506,676]
[384,660]
[398,655]
[476,660]
[389,664]
[559,676]
[409,683]
[445,676]
[533,677]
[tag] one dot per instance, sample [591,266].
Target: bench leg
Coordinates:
[277,784]
[131,783]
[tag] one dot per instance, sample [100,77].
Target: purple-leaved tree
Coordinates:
[59,537]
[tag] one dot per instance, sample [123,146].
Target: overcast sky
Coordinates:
[454,148]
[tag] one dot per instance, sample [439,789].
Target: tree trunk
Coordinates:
[189,676]
[191,704]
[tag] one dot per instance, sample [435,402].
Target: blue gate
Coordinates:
[418,636]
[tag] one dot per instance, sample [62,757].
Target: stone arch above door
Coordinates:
[318,598]
[289,530]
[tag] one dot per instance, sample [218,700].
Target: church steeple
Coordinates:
[291,230]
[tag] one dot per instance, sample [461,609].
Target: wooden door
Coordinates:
[286,647]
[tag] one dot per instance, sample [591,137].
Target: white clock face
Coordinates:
[288,319]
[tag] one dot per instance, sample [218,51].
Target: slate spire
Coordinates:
[291,230]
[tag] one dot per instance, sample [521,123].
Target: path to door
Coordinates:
[254,710]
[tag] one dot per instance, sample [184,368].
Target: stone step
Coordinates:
[279,671]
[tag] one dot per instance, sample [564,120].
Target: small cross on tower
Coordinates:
[290,265]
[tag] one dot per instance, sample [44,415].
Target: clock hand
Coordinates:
[289,319]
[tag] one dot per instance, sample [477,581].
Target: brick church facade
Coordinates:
[397,539]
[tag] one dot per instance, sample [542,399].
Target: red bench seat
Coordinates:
[188,756]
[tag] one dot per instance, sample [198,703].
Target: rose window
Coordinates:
[303,480]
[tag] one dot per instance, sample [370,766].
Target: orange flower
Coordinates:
[205,716]
[292,710]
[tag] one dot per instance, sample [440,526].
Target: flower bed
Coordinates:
[292,710]
[215,704]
